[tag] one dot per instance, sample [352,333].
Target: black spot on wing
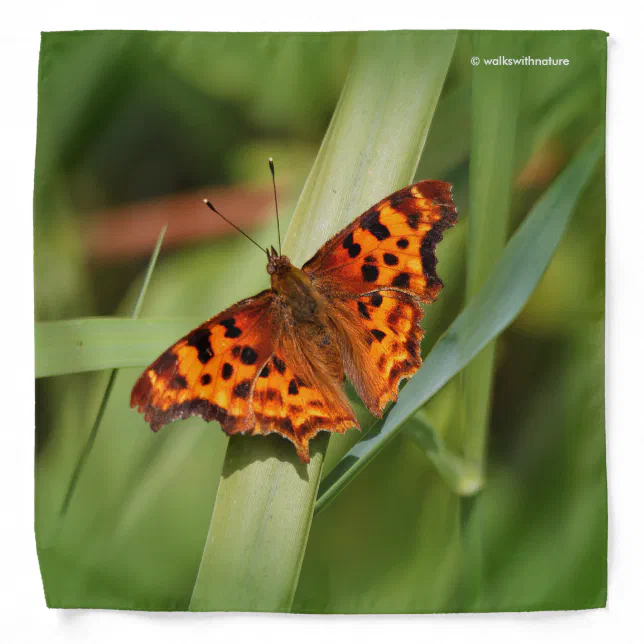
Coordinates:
[264,372]
[352,248]
[390,259]
[401,280]
[178,382]
[242,389]
[376,299]
[363,310]
[248,355]
[293,388]
[231,330]
[226,371]
[402,243]
[378,334]
[206,379]
[279,365]
[369,273]
[200,340]
[372,223]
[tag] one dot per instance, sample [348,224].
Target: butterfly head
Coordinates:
[294,287]
[278,264]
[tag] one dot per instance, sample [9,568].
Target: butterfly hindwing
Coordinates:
[211,371]
[380,336]
[391,246]
[296,408]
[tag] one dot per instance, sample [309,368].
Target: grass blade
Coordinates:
[495,113]
[93,344]
[495,102]
[261,520]
[491,310]
[148,274]
[84,455]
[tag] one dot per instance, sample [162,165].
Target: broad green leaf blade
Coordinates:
[92,344]
[265,500]
[499,301]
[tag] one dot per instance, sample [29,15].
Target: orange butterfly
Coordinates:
[276,362]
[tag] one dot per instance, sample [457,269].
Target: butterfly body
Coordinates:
[276,362]
[296,290]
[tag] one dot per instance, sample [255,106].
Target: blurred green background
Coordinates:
[134,129]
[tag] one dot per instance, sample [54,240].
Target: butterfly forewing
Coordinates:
[391,246]
[211,371]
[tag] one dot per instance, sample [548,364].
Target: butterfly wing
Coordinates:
[374,273]
[389,247]
[239,369]
[379,335]
[298,408]
[211,371]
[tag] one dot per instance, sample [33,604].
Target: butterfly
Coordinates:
[276,362]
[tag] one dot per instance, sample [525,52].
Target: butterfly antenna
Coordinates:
[277,214]
[231,223]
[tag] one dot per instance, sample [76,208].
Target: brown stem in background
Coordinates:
[129,231]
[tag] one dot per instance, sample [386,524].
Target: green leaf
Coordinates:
[491,310]
[92,344]
[264,506]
